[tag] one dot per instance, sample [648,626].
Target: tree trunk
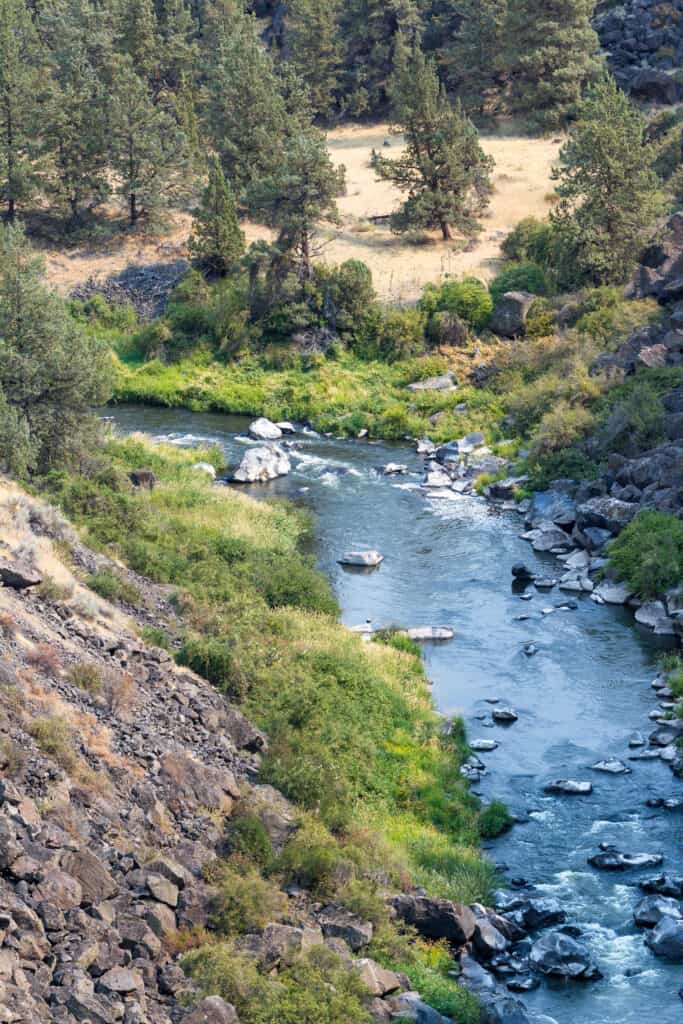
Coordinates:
[10,168]
[446,231]
[133,207]
[305,256]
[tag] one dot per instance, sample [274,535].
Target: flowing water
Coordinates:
[447,562]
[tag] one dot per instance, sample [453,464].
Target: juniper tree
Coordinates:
[444,171]
[608,189]
[21,81]
[217,241]
[301,192]
[470,34]
[369,30]
[148,151]
[313,47]
[551,55]
[51,371]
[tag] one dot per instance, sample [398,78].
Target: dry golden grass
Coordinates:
[522,180]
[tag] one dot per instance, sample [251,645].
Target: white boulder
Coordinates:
[363,559]
[261,464]
[263,430]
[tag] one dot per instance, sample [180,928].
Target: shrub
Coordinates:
[221,970]
[247,835]
[648,553]
[118,689]
[46,658]
[8,625]
[560,428]
[494,820]
[400,334]
[520,277]
[242,900]
[214,659]
[529,241]
[53,736]
[112,587]
[13,758]
[469,299]
[636,423]
[393,637]
[568,463]
[86,676]
[313,859]
[155,636]
[52,591]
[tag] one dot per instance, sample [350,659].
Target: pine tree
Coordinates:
[217,241]
[148,151]
[444,170]
[313,47]
[21,84]
[608,189]
[51,371]
[468,55]
[551,55]
[369,30]
[138,36]
[297,195]
[245,110]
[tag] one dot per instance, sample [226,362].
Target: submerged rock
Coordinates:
[652,909]
[570,787]
[611,859]
[505,715]
[612,766]
[362,559]
[666,940]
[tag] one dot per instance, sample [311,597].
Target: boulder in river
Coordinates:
[520,571]
[611,859]
[666,940]
[483,745]
[427,633]
[261,464]
[605,513]
[505,715]
[263,429]
[652,909]
[552,506]
[394,469]
[570,787]
[663,885]
[654,615]
[614,593]
[611,766]
[362,559]
[561,956]
[205,467]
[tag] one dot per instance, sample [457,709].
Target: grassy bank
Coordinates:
[354,739]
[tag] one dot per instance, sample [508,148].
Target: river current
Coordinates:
[579,699]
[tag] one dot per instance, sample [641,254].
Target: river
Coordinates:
[447,562]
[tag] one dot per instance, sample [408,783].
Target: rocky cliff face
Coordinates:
[117,772]
[643,40]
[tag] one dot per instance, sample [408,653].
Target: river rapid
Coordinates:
[579,699]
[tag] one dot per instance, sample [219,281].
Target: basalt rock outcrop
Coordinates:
[643,40]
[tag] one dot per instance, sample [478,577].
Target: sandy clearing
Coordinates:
[522,180]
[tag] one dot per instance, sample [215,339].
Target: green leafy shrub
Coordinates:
[114,588]
[636,422]
[469,299]
[54,737]
[393,637]
[529,241]
[400,335]
[248,836]
[242,900]
[494,820]
[312,858]
[560,428]
[648,553]
[51,590]
[520,277]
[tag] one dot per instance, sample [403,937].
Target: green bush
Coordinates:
[648,553]
[114,588]
[393,637]
[312,858]
[318,988]
[214,659]
[400,335]
[242,900]
[494,820]
[469,299]
[520,277]
[248,836]
[529,241]
[636,422]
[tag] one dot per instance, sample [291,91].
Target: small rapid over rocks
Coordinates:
[593,866]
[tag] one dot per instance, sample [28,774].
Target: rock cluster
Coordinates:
[644,44]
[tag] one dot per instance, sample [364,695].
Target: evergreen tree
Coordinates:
[148,150]
[298,194]
[369,30]
[138,36]
[444,170]
[608,189]
[20,89]
[313,46]
[551,55]
[75,137]
[217,241]
[51,371]
[469,54]
[245,109]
